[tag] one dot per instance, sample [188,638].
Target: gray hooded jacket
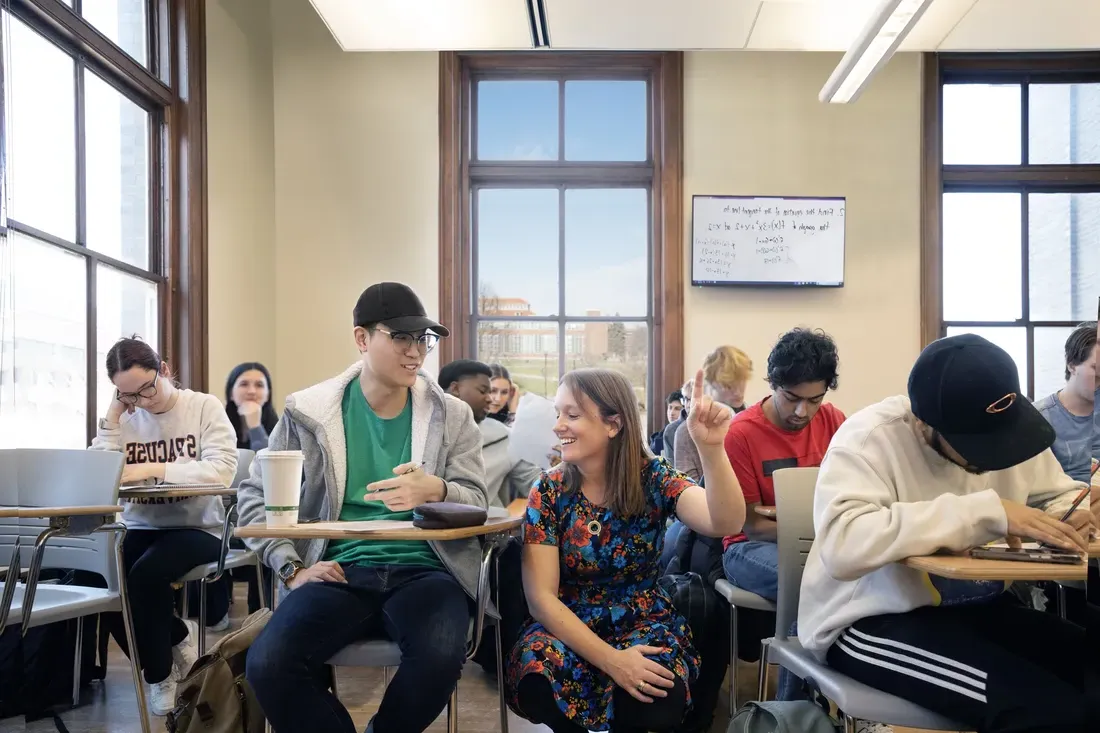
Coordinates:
[445,441]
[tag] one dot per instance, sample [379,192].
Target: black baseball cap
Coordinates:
[396,307]
[968,390]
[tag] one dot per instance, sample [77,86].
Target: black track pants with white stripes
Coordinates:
[997,667]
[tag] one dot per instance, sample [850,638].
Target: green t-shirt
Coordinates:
[374,448]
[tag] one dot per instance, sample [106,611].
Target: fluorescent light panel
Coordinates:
[876,43]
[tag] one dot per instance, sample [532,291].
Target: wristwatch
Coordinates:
[289,570]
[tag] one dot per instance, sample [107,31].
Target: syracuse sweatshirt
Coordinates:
[883,495]
[196,442]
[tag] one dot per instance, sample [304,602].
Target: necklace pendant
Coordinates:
[594,528]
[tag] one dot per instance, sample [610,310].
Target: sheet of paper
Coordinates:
[533,436]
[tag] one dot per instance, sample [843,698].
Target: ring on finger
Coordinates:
[641,685]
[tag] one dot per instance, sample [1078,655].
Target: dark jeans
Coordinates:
[154,559]
[536,700]
[424,610]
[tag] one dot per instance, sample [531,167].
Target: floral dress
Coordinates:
[609,580]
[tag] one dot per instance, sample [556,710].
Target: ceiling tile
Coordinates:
[649,24]
[433,25]
[1027,25]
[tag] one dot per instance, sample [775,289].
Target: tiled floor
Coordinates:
[112,707]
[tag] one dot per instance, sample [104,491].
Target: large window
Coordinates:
[99,202]
[563,261]
[1012,203]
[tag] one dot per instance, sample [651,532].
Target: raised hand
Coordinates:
[708,421]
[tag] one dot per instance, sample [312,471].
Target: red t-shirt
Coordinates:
[757,448]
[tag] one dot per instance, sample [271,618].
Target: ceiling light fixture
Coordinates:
[874,46]
[536,15]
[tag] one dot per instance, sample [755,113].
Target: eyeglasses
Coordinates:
[148,392]
[403,341]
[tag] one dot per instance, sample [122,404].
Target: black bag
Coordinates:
[36,671]
[448,515]
[707,615]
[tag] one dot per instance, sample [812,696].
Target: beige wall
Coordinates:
[753,126]
[241,140]
[356,187]
[355,200]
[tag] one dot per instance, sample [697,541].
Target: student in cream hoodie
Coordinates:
[174,436]
[963,461]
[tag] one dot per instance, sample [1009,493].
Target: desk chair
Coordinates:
[228,559]
[385,653]
[794,500]
[53,478]
[738,598]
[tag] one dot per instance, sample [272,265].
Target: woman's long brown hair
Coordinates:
[627,453]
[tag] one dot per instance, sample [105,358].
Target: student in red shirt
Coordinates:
[792,427]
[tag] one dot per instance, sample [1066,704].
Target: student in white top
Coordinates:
[963,461]
[175,436]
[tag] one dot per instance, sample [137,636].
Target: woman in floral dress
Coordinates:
[607,649]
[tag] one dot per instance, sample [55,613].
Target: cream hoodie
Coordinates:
[883,495]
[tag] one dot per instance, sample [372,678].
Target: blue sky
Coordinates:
[606,254]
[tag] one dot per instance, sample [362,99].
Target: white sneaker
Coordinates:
[221,625]
[865,727]
[162,696]
[185,654]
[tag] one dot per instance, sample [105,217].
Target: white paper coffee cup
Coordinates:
[282,474]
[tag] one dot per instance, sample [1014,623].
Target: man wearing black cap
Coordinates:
[963,460]
[378,440]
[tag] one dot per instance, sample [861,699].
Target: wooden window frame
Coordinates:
[1025,178]
[172,88]
[457,298]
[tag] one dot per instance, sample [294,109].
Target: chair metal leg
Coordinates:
[332,681]
[77,658]
[500,650]
[131,642]
[452,712]
[733,660]
[202,617]
[1061,596]
[385,677]
[762,688]
[261,586]
[849,724]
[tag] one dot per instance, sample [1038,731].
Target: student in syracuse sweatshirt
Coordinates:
[963,461]
[175,436]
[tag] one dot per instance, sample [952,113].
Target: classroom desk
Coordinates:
[765,511]
[1094,548]
[168,491]
[964,567]
[51,512]
[496,530]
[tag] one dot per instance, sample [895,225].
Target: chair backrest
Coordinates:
[52,477]
[244,466]
[794,514]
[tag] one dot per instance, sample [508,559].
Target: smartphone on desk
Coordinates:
[1026,554]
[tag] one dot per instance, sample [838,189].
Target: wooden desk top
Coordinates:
[964,567]
[173,492]
[379,529]
[765,511]
[46,512]
[1094,548]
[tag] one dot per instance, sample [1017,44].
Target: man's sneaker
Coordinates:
[865,727]
[162,696]
[185,654]
[221,625]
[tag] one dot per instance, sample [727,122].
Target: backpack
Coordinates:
[214,697]
[707,615]
[36,670]
[687,551]
[781,717]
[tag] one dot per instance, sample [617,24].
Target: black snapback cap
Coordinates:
[968,390]
[396,307]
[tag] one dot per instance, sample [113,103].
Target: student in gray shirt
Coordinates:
[1072,410]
